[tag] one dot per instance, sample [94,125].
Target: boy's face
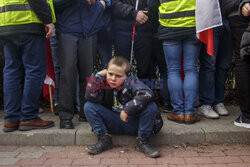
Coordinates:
[115,75]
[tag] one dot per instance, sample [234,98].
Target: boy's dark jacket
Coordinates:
[133,95]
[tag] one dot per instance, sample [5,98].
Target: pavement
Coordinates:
[206,155]
[218,131]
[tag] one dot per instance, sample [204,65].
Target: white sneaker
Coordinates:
[208,112]
[221,109]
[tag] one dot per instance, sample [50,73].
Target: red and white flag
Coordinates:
[50,74]
[208,16]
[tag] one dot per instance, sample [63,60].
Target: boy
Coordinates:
[118,103]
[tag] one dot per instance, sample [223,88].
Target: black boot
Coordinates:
[144,146]
[104,143]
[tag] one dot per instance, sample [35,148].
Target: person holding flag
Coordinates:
[24,27]
[214,65]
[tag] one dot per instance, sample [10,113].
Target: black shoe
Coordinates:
[167,108]
[56,109]
[104,143]
[144,146]
[82,119]
[66,124]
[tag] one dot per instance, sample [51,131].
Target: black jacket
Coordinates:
[133,95]
[229,6]
[245,41]
[42,10]
[124,16]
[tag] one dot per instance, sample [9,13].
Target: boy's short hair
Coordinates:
[121,62]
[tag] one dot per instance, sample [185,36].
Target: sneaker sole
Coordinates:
[27,128]
[244,125]
[201,114]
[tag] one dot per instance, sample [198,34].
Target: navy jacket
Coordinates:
[80,19]
[133,95]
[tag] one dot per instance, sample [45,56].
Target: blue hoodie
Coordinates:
[80,18]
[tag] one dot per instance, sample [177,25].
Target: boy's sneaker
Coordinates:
[241,121]
[221,109]
[104,143]
[144,146]
[208,112]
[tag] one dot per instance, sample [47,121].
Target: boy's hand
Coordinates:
[246,9]
[103,73]
[141,17]
[124,116]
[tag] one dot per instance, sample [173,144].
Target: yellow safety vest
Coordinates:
[177,13]
[17,12]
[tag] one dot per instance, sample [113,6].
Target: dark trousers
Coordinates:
[24,74]
[103,120]
[238,25]
[214,70]
[142,50]
[76,55]
[158,58]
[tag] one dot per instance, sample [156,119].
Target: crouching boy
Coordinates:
[118,103]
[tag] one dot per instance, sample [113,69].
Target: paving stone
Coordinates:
[113,161]
[142,161]
[30,155]
[8,161]
[8,154]
[227,159]
[86,161]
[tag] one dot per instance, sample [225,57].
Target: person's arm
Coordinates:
[42,10]
[94,91]
[245,8]
[123,10]
[143,95]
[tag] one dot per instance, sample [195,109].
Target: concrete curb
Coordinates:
[214,131]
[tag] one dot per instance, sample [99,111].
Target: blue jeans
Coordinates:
[213,70]
[104,120]
[24,74]
[183,94]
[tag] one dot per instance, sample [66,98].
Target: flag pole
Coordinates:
[51,99]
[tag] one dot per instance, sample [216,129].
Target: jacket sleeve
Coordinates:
[42,10]
[153,5]
[142,96]
[94,92]
[229,6]
[242,4]
[123,10]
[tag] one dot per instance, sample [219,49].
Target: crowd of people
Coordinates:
[115,100]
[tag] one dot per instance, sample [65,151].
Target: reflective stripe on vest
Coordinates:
[177,13]
[13,12]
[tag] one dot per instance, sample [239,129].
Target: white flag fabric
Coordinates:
[207,15]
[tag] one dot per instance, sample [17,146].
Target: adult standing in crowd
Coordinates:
[177,30]
[24,24]
[244,119]
[238,25]
[77,26]
[124,16]
[213,72]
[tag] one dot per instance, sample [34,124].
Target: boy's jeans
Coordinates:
[190,47]
[104,120]
[213,70]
